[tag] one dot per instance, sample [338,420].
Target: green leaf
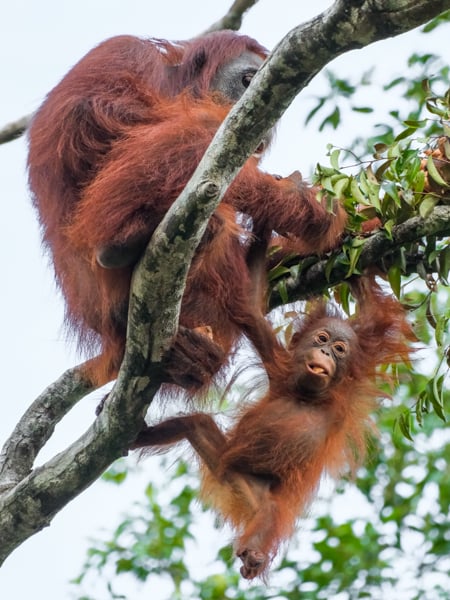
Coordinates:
[446,132]
[419,182]
[441,329]
[333,119]
[277,272]
[334,158]
[341,186]
[444,264]
[353,253]
[394,151]
[435,110]
[327,184]
[394,83]
[427,205]
[356,192]
[282,290]
[329,266]
[371,187]
[362,109]
[437,396]
[388,226]
[409,131]
[310,115]
[439,20]
[379,173]
[344,297]
[395,279]
[404,423]
[415,123]
[434,173]
[117,473]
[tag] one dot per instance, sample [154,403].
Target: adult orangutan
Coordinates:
[111,148]
[261,475]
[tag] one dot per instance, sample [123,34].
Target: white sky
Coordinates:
[39,41]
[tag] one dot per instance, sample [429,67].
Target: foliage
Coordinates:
[149,531]
[395,184]
[341,99]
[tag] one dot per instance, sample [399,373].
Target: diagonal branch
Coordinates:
[348,24]
[34,501]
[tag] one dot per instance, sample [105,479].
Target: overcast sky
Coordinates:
[39,42]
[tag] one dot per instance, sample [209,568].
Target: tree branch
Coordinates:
[348,24]
[315,279]
[37,425]
[34,501]
[14,130]
[233,18]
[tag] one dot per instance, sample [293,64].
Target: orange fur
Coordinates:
[262,474]
[297,439]
[111,148]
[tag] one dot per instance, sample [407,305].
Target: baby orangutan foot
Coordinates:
[254,563]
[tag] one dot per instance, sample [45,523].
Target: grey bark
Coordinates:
[40,494]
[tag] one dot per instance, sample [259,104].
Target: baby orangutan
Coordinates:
[261,475]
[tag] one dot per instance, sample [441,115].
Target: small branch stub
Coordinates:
[209,190]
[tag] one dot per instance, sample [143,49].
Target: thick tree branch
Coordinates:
[348,24]
[33,502]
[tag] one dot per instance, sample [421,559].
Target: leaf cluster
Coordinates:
[395,185]
[150,541]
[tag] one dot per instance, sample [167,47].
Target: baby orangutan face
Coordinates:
[323,355]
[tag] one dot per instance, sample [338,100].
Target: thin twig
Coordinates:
[233,18]
[14,130]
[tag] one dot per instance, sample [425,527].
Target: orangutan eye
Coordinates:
[340,348]
[322,337]
[246,79]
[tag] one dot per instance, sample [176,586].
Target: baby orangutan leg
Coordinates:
[255,546]
[199,429]
[251,493]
